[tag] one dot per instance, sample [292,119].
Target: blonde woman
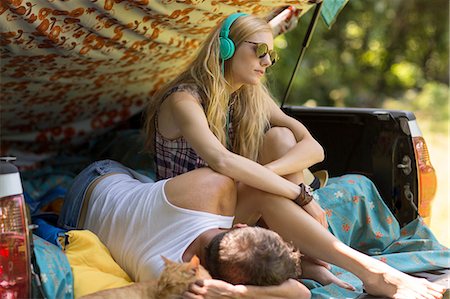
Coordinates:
[218,114]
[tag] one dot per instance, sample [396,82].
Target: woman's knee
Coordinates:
[280,135]
[277,142]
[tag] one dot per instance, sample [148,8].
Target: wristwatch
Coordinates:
[305,195]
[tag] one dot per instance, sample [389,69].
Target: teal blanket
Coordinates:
[358,217]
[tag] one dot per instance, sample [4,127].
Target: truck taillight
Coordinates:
[426,176]
[15,273]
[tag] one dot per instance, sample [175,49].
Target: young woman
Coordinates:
[217,113]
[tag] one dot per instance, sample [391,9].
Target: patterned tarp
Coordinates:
[73,68]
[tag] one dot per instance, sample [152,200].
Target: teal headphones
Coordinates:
[227,49]
[227,46]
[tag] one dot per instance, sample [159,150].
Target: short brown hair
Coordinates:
[252,256]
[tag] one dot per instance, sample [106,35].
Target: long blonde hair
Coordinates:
[250,116]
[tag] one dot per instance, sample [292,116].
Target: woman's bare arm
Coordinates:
[190,119]
[191,122]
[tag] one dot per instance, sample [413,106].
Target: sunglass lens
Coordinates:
[274,57]
[261,50]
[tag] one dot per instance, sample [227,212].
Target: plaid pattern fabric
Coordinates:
[174,157]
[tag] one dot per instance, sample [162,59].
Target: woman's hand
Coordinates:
[314,209]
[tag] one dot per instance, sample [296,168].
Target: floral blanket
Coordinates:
[358,216]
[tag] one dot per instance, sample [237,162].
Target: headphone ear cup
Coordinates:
[226,48]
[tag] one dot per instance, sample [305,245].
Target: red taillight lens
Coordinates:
[426,176]
[14,250]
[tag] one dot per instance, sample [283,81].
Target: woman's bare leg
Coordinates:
[294,224]
[277,142]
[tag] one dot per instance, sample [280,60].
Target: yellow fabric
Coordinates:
[92,265]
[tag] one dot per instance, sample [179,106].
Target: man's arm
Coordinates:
[215,289]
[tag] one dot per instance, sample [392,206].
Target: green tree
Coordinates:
[377,52]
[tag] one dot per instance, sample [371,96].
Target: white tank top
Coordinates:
[138,224]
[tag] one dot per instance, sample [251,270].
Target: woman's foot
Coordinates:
[395,284]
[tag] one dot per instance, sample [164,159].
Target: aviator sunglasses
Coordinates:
[262,49]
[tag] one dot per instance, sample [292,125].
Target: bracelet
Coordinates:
[305,196]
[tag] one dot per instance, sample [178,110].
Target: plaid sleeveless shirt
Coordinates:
[176,156]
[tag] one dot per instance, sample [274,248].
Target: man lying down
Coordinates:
[192,214]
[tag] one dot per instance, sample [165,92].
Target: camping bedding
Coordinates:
[92,265]
[358,217]
[55,273]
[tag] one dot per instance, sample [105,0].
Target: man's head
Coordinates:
[252,256]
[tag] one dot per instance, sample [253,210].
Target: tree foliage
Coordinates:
[378,53]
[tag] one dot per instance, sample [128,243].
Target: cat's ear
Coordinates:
[195,262]
[167,262]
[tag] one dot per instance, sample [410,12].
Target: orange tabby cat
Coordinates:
[174,280]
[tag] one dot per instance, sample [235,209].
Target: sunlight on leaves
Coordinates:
[280,42]
[353,30]
[406,73]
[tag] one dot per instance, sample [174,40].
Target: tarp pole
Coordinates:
[305,44]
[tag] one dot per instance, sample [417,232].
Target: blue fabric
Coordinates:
[43,186]
[48,232]
[359,218]
[55,273]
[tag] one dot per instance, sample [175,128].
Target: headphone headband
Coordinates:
[226,44]
[228,22]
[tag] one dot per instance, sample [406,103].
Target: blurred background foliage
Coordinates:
[391,54]
[379,53]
